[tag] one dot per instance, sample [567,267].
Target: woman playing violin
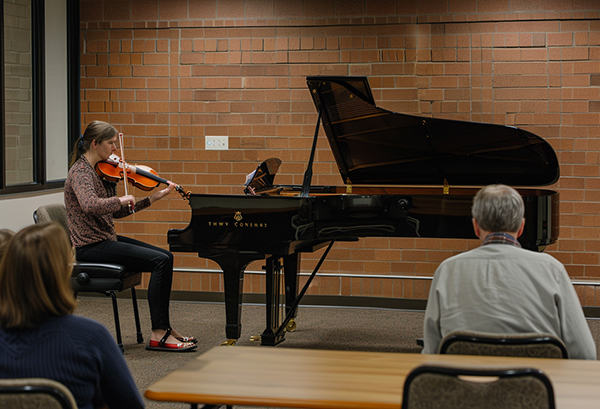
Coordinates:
[92,204]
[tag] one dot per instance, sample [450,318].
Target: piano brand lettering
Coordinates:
[245,224]
[238,218]
[218,224]
[238,223]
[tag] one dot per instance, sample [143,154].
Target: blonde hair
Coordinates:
[98,131]
[34,277]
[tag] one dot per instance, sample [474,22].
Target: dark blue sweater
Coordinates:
[79,353]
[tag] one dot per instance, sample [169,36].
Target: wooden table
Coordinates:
[305,378]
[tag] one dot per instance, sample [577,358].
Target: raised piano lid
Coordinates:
[375,146]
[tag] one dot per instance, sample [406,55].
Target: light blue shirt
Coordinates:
[500,288]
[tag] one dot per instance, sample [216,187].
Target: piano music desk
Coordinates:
[320,379]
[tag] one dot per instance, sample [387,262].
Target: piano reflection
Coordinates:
[404,175]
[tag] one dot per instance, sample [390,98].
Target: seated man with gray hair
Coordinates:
[502,288]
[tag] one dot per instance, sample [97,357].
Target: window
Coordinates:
[39,64]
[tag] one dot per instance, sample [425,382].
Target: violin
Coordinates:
[140,176]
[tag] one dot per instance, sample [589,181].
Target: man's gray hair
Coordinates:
[498,208]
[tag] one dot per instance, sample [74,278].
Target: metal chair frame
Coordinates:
[30,386]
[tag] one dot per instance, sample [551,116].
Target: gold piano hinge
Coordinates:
[348,186]
[446,187]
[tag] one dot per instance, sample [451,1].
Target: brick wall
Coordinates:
[169,72]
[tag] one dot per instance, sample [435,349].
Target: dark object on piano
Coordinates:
[262,178]
[384,153]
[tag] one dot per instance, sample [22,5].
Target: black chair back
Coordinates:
[530,345]
[441,387]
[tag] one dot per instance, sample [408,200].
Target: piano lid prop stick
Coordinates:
[308,174]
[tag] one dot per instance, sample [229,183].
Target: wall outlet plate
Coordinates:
[216,143]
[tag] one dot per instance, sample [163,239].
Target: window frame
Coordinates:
[38,91]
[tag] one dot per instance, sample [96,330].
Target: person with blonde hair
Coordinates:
[501,288]
[39,335]
[92,205]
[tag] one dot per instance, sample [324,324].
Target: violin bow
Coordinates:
[123,163]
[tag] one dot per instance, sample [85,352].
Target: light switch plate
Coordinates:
[216,143]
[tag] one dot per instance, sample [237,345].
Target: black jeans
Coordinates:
[139,256]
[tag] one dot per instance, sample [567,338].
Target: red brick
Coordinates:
[559,39]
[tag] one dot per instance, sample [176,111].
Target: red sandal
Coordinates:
[163,345]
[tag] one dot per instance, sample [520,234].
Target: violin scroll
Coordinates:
[184,194]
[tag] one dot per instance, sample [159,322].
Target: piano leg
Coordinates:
[291,268]
[233,266]
[271,336]
[274,333]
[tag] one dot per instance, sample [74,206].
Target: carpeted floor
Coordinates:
[318,328]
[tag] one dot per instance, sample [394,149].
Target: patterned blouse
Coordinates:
[92,204]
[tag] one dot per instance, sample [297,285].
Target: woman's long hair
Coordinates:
[5,236]
[34,277]
[98,131]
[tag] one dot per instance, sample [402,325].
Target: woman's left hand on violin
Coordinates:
[163,192]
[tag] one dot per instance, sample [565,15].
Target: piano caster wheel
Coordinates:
[255,338]
[229,343]
[291,325]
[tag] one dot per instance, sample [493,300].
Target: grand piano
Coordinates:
[403,176]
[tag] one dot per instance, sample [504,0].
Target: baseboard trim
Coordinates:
[312,300]
[341,301]
[591,312]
